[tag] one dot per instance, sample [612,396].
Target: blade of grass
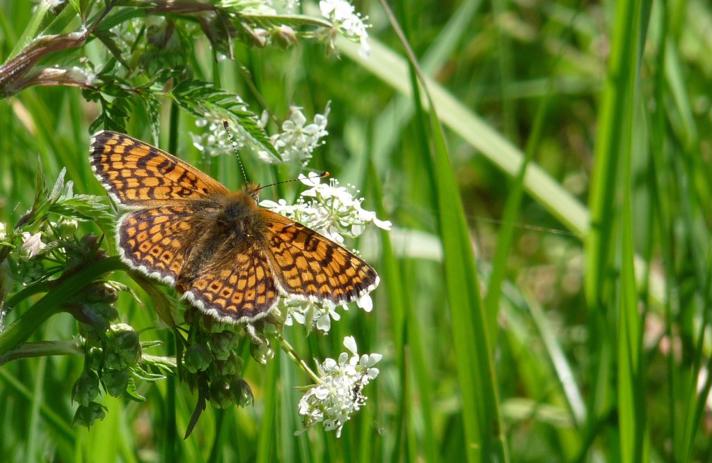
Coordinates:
[266,451]
[396,297]
[483,427]
[60,426]
[389,124]
[612,177]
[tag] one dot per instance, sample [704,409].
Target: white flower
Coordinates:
[3,232]
[347,22]
[32,244]
[215,140]
[311,314]
[298,140]
[339,392]
[328,208]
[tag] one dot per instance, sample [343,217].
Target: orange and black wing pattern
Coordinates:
[311,266]
[140,175]
[157,240]
[237,288]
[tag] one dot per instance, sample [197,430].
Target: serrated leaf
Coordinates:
[292,20]
[204,99]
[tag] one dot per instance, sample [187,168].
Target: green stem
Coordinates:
[172,448]
[42,349]
[287,347]
[53,302]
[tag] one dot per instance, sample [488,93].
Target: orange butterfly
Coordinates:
[227,255]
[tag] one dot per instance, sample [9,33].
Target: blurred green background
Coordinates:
[553,310]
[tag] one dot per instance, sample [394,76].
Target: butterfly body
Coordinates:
[226,254]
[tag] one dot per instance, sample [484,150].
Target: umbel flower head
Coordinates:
[298,140]
[339,392]
[347,22]
[328,208]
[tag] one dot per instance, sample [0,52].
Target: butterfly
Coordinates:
[227,255]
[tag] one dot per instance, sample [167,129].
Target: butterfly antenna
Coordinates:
[226,125]
[324,174]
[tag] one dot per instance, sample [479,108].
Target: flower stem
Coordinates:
[42,349]
[287,347]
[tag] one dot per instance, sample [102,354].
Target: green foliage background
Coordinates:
[546,291]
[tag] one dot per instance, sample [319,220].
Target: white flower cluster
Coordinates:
[298,140]
[3,232]
[328,208]
[214,140]
[347,21]
[339,392]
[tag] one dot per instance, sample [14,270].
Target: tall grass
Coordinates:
[545,292]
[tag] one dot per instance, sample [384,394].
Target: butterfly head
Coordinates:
[238,212]
[253,190]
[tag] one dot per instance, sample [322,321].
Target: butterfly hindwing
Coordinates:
[138,174]
[157,240]
[310,265]
[236,288]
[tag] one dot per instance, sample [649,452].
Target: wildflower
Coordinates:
[328,208]
[311,314]
[32,244]
[215,141]
[3,232]
[339,392]
[347,21]
[298,140]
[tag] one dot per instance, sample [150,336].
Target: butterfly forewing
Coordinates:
[309,265]
[138,174]
[238,288]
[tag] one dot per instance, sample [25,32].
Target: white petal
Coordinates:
[350,344]
[365,302]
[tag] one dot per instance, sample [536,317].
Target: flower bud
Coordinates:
[95,317]
[230,366]
[94,358]
[220,394]
[242,394]
[124,347]
[86,388]
[115,381]
[100,292]
[197,358]
[222,344]
[67,227]
[87,414]
[262,352]
[284,35]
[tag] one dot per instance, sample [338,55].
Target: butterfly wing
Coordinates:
[137,174]
[310,265]
[157,240]
[239,287]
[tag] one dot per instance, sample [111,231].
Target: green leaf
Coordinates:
[203,99]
